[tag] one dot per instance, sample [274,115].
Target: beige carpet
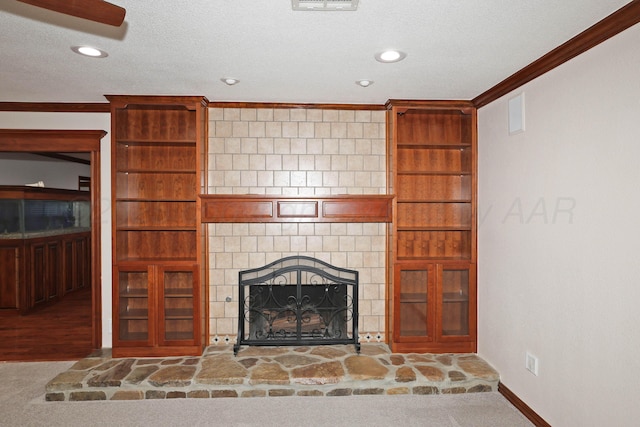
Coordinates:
[22,404]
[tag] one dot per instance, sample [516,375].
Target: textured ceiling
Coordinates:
[456,49]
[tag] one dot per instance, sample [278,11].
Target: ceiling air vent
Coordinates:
[337,5]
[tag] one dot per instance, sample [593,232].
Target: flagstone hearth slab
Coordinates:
[271,372]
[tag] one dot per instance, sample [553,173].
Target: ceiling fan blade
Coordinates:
[93,10]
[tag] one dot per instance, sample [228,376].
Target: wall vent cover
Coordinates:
[336,5]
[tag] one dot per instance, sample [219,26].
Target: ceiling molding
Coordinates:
[368,107]
[430,104]
[618,21]
[52,107]
[55,107]
[63,157]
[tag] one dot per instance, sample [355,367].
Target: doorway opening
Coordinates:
[74,335]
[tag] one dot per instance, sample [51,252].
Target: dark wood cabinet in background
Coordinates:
[11,254]
[158,171]
[45,245]
[55,266]
[42,270]
[77,262]
[432,244]
[43,257]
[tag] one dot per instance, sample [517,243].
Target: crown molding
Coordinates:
[618,21]
[55,107]
[311,106]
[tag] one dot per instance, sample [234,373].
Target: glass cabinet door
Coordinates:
[133,304]
[414,309]
[178,308]
[457,286]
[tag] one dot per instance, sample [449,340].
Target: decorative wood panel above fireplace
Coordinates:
[259,208]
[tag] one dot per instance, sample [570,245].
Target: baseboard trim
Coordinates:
[531,415]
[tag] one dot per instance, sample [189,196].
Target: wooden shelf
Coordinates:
[179,335]
[412,298]
[455,332]
[162,202]
[434,201]
[134,293]
[178,314]
[455,298]
[426,145]
[137,336]
[429,228]
[437,173]
[145,260]
[136,314]
[427,259]
[259,208]
[155,142]
[178,293]
[158,228]
[155,171]
[413,333]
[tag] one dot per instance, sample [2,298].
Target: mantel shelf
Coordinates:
[272,208]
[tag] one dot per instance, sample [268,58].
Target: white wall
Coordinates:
[559,238]
[99,121]
[16,170]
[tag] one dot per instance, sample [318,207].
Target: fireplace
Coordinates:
[298,300]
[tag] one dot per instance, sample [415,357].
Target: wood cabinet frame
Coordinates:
[158,171]
[431,167]
[156,343]
[428,307]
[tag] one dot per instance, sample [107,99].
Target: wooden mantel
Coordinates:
[273,208]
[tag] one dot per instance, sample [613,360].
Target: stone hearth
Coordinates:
[334,370]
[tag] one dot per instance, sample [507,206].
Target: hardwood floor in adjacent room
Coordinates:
[61,331]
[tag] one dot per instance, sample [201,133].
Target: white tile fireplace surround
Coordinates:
[296,152]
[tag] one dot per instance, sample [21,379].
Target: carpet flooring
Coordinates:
[22,404]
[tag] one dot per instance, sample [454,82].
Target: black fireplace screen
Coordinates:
[298,300]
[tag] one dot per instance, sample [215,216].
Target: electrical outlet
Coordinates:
[531,363]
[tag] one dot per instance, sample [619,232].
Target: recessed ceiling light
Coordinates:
[364,83]
[89,51]
[230,81]
[390,56]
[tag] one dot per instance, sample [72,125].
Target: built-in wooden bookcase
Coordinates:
[158,171]
[432,244]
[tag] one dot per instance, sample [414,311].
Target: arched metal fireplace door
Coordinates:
[297,300]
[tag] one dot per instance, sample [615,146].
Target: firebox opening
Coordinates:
[298,301]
